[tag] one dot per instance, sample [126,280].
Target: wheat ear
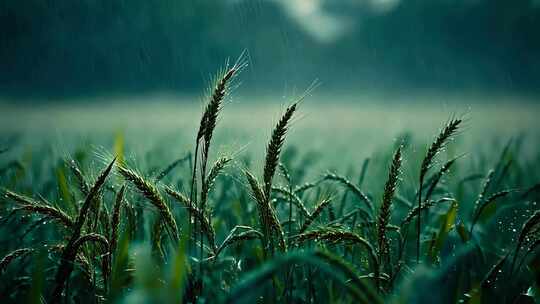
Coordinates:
[151,193]
[386,206]
[435,148]
[70,251]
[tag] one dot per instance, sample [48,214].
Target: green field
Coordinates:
[323,122]
[99,203]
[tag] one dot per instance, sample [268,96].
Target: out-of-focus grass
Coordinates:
[367,122]
[326,150]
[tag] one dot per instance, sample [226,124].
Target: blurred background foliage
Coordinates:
[64,49]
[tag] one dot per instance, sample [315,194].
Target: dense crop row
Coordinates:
[203,231]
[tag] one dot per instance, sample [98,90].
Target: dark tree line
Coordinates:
[67,48]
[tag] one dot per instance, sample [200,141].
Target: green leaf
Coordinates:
[63,187]
[447,223]
[120,276]
[462,231]
[179,271]
[118,147]
[38,278]
[488,212]
[331,266]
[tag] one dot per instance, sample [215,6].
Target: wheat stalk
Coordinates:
[205,134]
[233,237]
[426,206]
[115,219]
[316,212]
[80,259]
[206,226]
[106,254]
[435,148]
[385,211]
[18,198]
[484,190]
[156,234]
[490,277]
[353,188]
[273,150]
[19,253]
[438,145]
[151,193]
[438,176]
[335,236]
[294,199]
[210,180]
[70,251]
[83,185]
[171,166]
[31,206]
[267,215]
[262,206]
[485,203]
[306,186]
[50,212]
[530,226]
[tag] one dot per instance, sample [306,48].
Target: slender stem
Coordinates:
[202,208]
[418,222]
[290,273]
[516,252]
[193,194]
[193,198]
[202,203]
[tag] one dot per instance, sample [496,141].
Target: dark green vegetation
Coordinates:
[66,48]
[213,228]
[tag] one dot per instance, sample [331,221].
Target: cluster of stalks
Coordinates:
[365,231]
